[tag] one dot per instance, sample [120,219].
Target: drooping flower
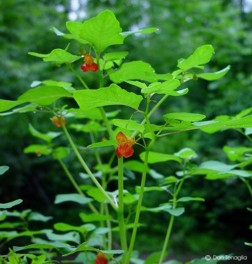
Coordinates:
[89,64]
[58,121]
[101,258]
[125,143]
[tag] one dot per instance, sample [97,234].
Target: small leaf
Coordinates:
[102,144]
[134,70]
[112,56]
[58,56]
[112,95]
[3,169]
[10,204]
[186,153]
[176,211]
[166,87]
[156,157]
[38,149]
[35,216]
[128,124]
[134,165]
[61,152]
[94,217]
[191,117]
[46,137]
[72,197]
[66,227]
[200,56]
[140,31]
[214,75]
[188,199]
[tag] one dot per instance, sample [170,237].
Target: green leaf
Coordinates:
[186,153]
[3,169]
[35,216]
[66,227]
[48,137]
[94,217]
[7,104]
[112,95]
[82,247]
[138,84]
[214,75]
[96,194]
[177,211]
[61,152]
[101,31]
[72,197]
[156,157]
[10,204]
[191,117]
[102,144]
[43,95]
[153,258]
[58,56]
[166,87]
[200,56]
[189,199]
[140,31]
[217,166]
[69,237]
[128,124]
[112,56]
[134,165]
[134,70]
[38,149]
[161,208]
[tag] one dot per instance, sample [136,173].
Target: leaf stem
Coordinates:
[86,168]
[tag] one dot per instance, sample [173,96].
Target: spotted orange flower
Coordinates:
[89,64]
[101,258]
[58,121]
[125,143]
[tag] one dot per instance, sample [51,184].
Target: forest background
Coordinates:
[221,222]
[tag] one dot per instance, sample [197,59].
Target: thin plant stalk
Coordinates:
[86,168]
[120,211]
[74,183]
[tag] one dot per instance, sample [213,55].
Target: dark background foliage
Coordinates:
[221,223]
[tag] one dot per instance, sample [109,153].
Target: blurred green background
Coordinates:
[220,225]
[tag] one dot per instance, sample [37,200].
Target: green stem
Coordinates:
[74,183]
[171,222]
[138,208]
[86,168]
[167,238]
[120,212]
[248,185]
[78,77]
[151,112]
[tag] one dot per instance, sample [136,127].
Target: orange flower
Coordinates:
[89,64]
[58,121]
[101,259]
[124,148]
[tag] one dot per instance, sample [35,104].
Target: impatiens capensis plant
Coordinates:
[111,124]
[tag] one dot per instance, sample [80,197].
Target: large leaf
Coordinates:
[134,70]
[200,56]
[6,105]
[101,31]
[112,95]
[58,56]
[44,95]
